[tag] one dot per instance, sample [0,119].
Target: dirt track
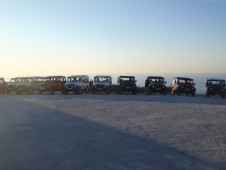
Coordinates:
[112,132]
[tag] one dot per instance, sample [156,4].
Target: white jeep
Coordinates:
[77,84]
[102,83]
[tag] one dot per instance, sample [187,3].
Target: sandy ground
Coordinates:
[112,132]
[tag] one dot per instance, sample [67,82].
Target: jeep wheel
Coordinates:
[52,91]
[87,89]
[107,91]
[207,93]
[94,91]
[150,91]
[29,91]
[178,92]
[119,90]
[79,90]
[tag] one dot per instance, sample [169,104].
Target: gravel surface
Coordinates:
[112,132]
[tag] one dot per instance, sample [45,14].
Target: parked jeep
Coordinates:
[102,83]
[23,85]
[182,85]
[52,84]
[11,86]
[36,82]
[126,83]
[215,87]
[155,84]
[77,84]
[3,87]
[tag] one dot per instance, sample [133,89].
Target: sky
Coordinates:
[55,37]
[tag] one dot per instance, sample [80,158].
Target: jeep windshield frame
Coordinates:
[215,82]
[156,79]
[102,79]
[73,79]
[182,80]
[126,78]
[55,78]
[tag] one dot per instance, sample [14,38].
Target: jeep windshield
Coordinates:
[74,79]
[216,82]
[23,79]
[156,80]
[101,79]
[55,78]
[126,78]
[185,81]
[12,80]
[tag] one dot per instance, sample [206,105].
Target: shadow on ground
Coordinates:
[37,138]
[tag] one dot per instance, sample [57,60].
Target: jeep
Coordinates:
[52,84]
[155,84]
[36,82]
[126,83]
[215,87]
[11,86]
[3,87]
[182,85]
[77,84]
[102,83]
[24,85]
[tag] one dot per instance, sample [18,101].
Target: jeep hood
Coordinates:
[105,83]
[69,83]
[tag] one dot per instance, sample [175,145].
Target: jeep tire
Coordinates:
[178,91]
[52,91]
[150,91]
[207,93]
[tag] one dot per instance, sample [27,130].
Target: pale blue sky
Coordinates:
[80,37]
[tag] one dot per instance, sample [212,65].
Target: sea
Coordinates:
[199,78]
